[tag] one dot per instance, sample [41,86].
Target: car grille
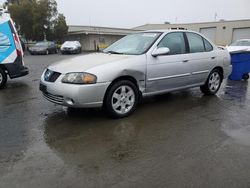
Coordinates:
[69,48]
[54,98]
[51,76]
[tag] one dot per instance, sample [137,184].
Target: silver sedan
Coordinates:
[138,65]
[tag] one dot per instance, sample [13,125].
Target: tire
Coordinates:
[245,77]
[121,99]
[3,78]
[47,52]
[213,83]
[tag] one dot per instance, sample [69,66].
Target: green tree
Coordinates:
[37,19]
[21,13]
[61,28]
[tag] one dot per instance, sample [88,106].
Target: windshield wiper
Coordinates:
[114,52]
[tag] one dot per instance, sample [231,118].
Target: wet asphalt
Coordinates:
[181,139]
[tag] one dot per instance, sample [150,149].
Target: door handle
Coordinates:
[185,61]
[212,57]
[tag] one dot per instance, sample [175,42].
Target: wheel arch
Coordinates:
[124,77]
[220,69]
[3,67]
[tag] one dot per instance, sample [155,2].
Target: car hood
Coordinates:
[85,62]
[68,46]
[235,49]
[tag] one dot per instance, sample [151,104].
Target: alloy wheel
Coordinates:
[123,99]
[214,82]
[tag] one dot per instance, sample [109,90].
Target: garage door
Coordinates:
[210,33]
[241,33]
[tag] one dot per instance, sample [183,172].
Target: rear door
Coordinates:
[202,58]
[7,43]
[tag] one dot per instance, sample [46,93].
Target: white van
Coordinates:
[11,53]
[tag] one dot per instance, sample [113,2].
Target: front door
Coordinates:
[169,72]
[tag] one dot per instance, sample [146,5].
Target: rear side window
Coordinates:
[208,46]
[195,43]
[175,42]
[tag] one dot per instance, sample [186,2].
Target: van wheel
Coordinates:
[47,52]
[121,99]
[213,83]
[3,78]
[245,77]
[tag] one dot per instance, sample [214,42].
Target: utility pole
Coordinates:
[215,17]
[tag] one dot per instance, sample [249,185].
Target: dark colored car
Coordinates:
[43,48]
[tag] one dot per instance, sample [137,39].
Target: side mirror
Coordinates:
[160,52]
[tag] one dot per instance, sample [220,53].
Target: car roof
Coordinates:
[243,40]
[167,31]
[71,41]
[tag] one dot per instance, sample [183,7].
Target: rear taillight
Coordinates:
[18,46]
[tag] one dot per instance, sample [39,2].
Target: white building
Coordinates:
[93,38]
[221,33]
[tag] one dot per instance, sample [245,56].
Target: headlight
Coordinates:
[79,78]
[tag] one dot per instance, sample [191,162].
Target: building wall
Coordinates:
[91,42]
[224,29]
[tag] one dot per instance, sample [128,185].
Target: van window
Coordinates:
[175,42]
[195,43]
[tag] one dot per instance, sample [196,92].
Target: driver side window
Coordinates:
[175,42]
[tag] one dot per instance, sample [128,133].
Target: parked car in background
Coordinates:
[11,53]
[239,46]
[43,48]
[140,64]
[71,47]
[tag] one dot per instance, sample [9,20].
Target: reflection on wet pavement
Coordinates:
[180,139]
[239,134]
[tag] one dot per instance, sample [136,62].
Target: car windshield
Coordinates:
[241,43]
[69,43]
[134,44]
[41,44]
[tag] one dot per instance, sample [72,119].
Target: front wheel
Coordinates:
[121,99]
[3,78]
[213,83]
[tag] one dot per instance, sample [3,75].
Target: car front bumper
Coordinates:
[69,51]
[42,52]
[73,95]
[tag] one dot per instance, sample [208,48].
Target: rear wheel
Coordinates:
[121,99]
[245,76]
[3,78]
[213,83]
